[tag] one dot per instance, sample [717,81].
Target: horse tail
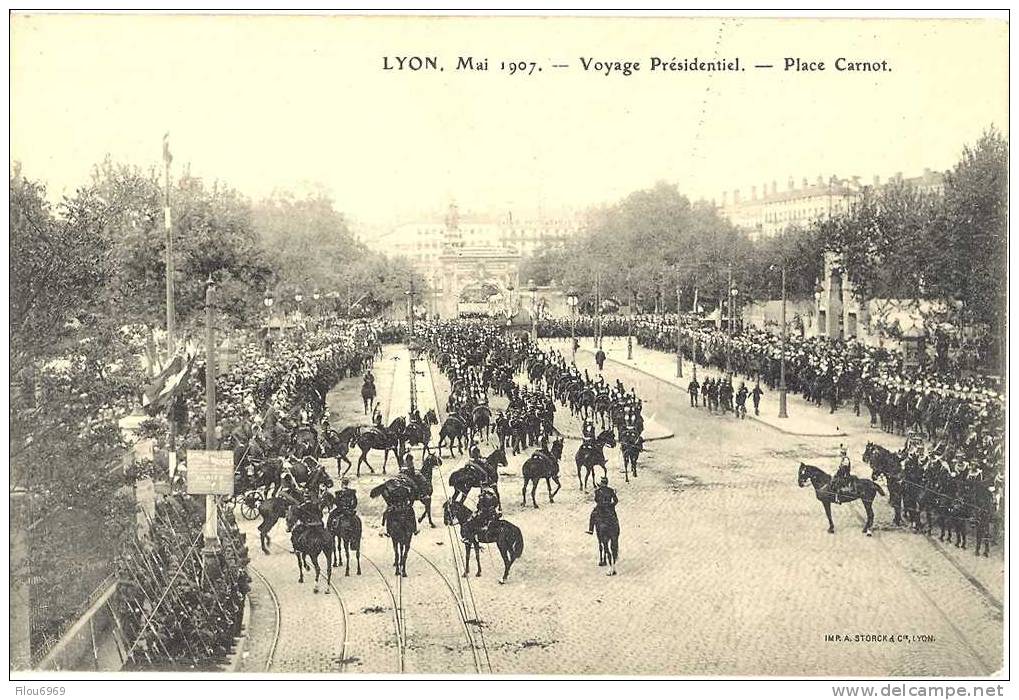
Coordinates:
[878,487]
[517,548]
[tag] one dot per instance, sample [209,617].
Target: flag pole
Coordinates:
[170,314]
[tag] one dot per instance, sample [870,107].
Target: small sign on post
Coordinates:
[210,472]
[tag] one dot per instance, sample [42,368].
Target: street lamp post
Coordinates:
[533,289]
[411,343]
[679,336]
[211,545]
[629,326]
[696,320]
[782,412]
[267,301]
[571,300]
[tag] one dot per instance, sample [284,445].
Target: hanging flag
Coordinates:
[167,156]
[159,394]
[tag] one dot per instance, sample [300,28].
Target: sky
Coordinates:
[303,104]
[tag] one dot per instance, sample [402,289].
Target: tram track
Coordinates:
[279,618]
[345,630]
[475,640]
[399,619]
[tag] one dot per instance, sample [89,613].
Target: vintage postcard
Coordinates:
[508,345]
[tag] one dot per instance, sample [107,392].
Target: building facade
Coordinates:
[463,256]
[769,211]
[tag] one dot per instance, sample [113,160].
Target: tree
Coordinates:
[974,238]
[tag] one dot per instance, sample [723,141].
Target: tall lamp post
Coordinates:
[732,303]
[298,298]
[679,333]
[782,409]
[629,326]
[533,289]
[211,544]
[571,300]
[267,300]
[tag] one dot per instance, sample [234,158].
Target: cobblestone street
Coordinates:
[726,567]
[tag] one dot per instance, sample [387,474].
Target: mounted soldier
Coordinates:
[476,464]
[489,512]
[346,497]
[605,501]
[842,478]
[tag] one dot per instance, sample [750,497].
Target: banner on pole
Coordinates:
[210,472]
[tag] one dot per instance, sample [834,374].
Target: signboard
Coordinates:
[210,472]
[145,449]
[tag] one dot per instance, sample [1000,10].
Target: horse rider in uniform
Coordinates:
[605,501]
[346,497]
[377,418]
[842,476]
[476,464]
[488,512]
[588,433]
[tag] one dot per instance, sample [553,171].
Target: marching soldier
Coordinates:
[693,388]
[756,395]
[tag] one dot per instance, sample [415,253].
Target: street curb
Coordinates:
[233,661]
[754,418]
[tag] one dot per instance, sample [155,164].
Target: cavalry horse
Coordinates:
[418,486]
[338,444]
[368,393]
[543,466]
[345,527]
[310,540]
[375,438]
[590,456]
[506,536]
[606,529]
[454,429]
[631,444]
[470,476]
[884,462]
[481,422]
[863,489]
[420,433]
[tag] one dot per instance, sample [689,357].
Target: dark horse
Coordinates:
[401,526]
[884,462]
[272,510]
[345,527]
[310,540]
[418,487]
[631,444]
[337,444]
[420,433]
[469,477]
[385,439]
[368,394]
[543,466]
[506,536]
[864,489]
[481,422]
[606,528]
[454,429]
[593,455]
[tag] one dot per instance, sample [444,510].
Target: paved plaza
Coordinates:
[726,567]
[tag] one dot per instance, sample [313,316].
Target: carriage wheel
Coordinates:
[249,505]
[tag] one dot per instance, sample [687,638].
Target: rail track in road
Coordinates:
[469,615]
[279,617]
